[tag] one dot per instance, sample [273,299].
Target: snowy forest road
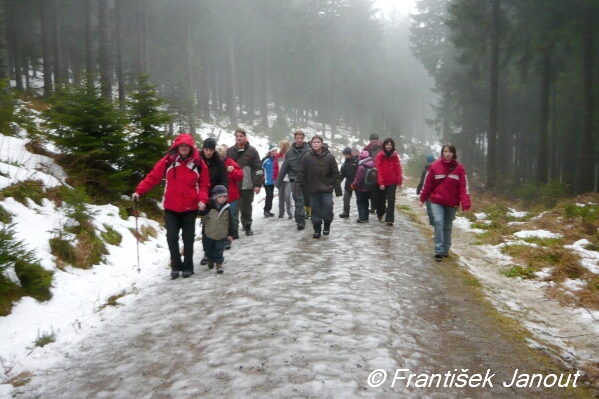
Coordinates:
[297,317]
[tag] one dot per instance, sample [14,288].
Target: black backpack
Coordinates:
[370,177]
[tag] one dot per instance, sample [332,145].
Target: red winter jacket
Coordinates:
[187,181]
[388,169]
[234,178]
[447,191]
[275,171]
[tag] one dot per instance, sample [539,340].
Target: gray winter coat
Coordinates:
[291,163]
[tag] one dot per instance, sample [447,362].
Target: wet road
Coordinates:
[296,317]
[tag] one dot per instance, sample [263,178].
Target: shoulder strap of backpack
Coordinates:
[448,172]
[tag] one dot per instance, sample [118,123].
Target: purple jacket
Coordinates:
[359,179]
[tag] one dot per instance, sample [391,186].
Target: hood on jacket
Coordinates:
[184,138]
[430,158]
[364,155]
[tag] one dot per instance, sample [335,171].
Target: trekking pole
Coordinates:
[136,213]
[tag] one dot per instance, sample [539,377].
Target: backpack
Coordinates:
[370,177]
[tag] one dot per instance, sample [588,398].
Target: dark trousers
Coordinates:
[362,198]
[347,199]
[377,200]
[322,207]
[298,201]
[214,249]
[270,193]
[388,194]
[186,222]
[246,197]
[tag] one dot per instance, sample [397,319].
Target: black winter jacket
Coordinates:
[348,170]
[318,173]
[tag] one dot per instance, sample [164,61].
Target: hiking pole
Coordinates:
[136,213]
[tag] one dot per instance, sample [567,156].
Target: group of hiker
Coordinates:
[218,183]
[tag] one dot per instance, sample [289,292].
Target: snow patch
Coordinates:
[537,234]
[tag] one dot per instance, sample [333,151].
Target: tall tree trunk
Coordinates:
[44,11]
[4,74]
[142,35]
[494,93]
[104,51]
[230,96]
[542,163]
[120,73]
[89,51]
[586,165]
[14,43]
[263,93]
[190,80]
[55,41]
[205,87]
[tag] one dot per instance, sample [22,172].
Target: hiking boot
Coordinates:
[290,216]
[210,264]
[445,255]
[228,245]
[281,215]
[317,227]
[187,274]
[174,274]
[380,218]
[327,228]
[301,226]
[372,211]
[270,214]
[390,224]
[266,214]
[344,215]
[361,221]
[219,269]
[438,256]
[204,260]
[235,235]
[248,230]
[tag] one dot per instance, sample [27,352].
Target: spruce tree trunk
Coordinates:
[543,138]
[4,74]
[263,93]
[494,93]
[104,51]
[587,166]
[120,74]
[47,65]
[230,86]
[89,51]
[55,42]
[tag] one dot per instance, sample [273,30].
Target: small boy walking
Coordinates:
[217,228]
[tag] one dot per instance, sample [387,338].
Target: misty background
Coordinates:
[510,83]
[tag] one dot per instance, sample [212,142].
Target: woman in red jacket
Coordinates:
[388,167]
[445,186]
[186,191]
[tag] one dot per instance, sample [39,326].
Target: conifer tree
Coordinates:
[148,140]
[90,131]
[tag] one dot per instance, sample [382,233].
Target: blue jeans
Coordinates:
[429,211]
[443,216]
[234,209]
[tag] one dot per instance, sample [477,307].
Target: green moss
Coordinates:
[519,271]
[111,236]
[33,189]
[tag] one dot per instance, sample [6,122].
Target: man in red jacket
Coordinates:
[186,191]
[445,186]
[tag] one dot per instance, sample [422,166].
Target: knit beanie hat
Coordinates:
[374,136]
[347,151]
[272,147]
[209,143]
[364,155]
[219,190]
[430,158]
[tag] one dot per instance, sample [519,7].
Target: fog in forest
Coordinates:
[512,84]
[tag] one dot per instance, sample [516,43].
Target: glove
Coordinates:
[135,197]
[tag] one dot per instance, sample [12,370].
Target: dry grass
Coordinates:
[145,232]
[19,380]
[566,218]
